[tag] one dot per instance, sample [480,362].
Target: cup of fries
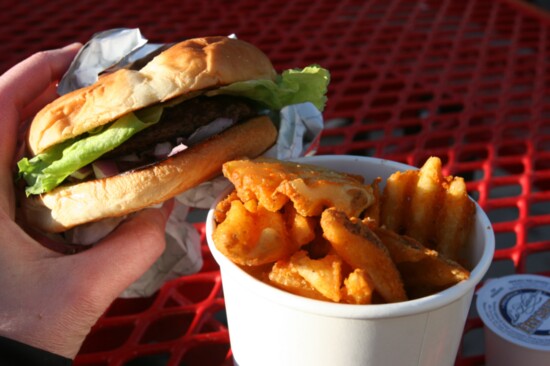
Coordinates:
[368,319]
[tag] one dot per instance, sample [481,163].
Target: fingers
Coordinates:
[47,96]
[28,79]
[126,254]
[22,84]
[27,82]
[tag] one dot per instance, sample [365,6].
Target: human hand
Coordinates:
[49,300]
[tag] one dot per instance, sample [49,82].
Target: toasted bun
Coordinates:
[188,66]
[69,206]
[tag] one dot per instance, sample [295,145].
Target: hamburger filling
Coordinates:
[182,120]
[177,128]
[129,142]
[180,126]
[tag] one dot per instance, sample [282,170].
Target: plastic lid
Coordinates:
[517,308]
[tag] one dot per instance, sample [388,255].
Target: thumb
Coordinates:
[124,255]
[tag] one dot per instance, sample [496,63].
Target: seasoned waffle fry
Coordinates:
[455,221]
[223,206]
[430,208]
[396,199]
[301,229]
[329,236]
[425,201]
[284,276]
[319,246]
[424,271]
[311,189]
[251,235]
[324,275]
[358,288]
[372,213]
[361,248]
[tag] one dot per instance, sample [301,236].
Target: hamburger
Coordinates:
[141,135]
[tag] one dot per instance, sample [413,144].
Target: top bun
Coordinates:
[191,65]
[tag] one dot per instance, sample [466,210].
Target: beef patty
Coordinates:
[181,120]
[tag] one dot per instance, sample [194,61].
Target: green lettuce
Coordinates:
[47,170]
[291,87]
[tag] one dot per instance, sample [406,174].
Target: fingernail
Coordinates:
[73,45]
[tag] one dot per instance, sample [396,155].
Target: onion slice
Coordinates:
[82,173]
[177,149]
[104,168]
[213,128]
[162,150]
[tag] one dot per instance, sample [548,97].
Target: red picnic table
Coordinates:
[468,81]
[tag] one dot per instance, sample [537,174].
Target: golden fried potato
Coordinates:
[396,198]
[455,221]
[361,248]
[258,180]
[402,248]
[301,229]
[326,235]
[431,208]
[425,202]
[319,246]
[310,188]
[284,276]
[224,205]
[372,213]
[251,235]
[424,271]
[324,274]
[358,288]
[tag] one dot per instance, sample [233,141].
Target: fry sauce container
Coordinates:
[268,326]
[516,314]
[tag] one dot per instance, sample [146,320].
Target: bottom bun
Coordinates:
[72,205]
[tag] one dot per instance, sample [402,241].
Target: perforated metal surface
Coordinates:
[468,81]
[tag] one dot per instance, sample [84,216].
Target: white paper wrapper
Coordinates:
[300,127]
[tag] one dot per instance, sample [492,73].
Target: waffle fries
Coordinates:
[329,236]
[433,209]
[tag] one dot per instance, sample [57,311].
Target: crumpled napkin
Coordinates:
[300,126]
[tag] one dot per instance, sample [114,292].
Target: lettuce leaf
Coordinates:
[291,87]
[47,170]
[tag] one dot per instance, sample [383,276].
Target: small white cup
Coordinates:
[268,326]
[516,313]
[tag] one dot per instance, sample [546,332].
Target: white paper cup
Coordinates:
[516,313]
[268,326]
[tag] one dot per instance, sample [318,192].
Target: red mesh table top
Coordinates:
[468,81]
